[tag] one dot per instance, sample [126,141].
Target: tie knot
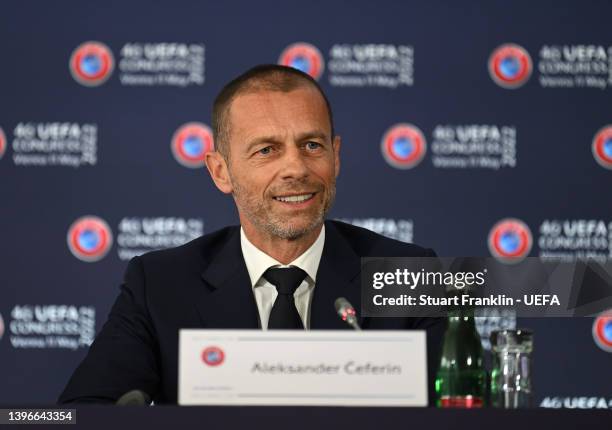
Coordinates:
[286,280]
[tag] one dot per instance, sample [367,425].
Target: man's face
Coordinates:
[283,162]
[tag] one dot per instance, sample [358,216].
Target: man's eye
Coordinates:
[265,151]
[313,145]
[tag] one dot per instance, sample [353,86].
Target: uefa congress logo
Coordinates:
[89,238]
[2,143]
[510,240]
[213,356]
[304,57]
[510,66]
[602,331]
[190,143]
[403,146]
[602,147]
[91,64]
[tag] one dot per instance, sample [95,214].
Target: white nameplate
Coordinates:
[325,368]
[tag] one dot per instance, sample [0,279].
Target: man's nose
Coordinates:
[294,163]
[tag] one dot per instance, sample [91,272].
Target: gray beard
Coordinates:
[257,216]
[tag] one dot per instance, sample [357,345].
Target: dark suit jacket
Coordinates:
[205,284]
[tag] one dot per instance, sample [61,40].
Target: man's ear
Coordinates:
[336,146]
[219,171]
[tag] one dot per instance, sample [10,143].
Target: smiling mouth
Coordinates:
[297,198]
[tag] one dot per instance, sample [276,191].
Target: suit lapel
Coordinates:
[337,276]
[227,300]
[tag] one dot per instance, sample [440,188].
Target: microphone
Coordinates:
[346,311]
[134,398]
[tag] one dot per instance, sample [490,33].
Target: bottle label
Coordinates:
[461,402]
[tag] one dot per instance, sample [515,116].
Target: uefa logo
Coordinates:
[510,240]
[602,331]
[304,57]
[213,356]
[602,147]
[403,146]
[510,66]
[2,143]
[91,64]
[89,238]
[191,142]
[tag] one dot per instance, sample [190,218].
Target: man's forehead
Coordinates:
[257,111]
[303,94]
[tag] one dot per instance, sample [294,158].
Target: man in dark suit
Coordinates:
[282,268]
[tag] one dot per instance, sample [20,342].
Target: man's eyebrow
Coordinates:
[315,134]
[260,140]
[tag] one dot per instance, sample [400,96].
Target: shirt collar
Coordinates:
[257,261]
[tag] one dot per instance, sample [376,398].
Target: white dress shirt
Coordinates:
[257,262]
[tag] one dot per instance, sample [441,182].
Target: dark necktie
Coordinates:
[284,314]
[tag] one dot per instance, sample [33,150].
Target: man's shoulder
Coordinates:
[201,251]
[367,243]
